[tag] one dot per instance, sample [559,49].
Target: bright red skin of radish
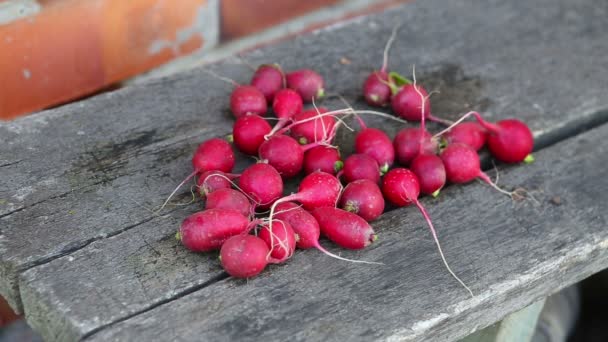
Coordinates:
[468,133]
[344,228]
[302,222]
[400,186]
[229,199]
[213,155]
[318,189]
[376,144]
[322,158]
[268,79]
[512,143]
[407,103]
[283,242]
[207,230]
[364,198]
[247,100]
[286,103]
[210,181]
[244,256]
[263,183]
[361,166]
[307,83]
[248,133]
[313,130]
[376,90]
[430,172]
[461,163]
[407,144]
[284,153]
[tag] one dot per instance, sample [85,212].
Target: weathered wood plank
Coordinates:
[153,128]
[510,253]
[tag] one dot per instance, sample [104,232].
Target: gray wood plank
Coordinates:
[86,176]
[510,253]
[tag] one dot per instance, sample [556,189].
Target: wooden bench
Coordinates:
[82,258]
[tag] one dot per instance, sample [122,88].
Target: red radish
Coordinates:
[408,105]
[461,164]
[468,133]
[364,198]
[376,90]
[207,230]
[247,100]
[361,166]
[376,144]
[284,154]
[263,183]
[430,172]
[307,83]
[268,79]
[319,129]
[322,158]
[281,240]
[400,186]
[344,228]
[510,140]
[286,104]
[244,256]
[318,189]
[248,133]
[212,155]
[229,199]
[407,144]
[213,180]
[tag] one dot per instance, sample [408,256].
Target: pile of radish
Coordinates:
[253,223]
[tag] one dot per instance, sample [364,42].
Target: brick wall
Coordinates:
[56,51]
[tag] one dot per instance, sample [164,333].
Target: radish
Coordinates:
[312,130]
[229,199]
[307,83]
[344,228]
[322,158]
[361,166]
[286,104]
[212,180]
[268,79]
[248,133]
[377,88]
[284,154]
[468,133]
[212,155]
[207,230]
[318,189]
[430,172]
[509,140]
[376,144]
[247,100]
[364,198]
[462,166]
[407,144]
[408,105]
[263,183]
[244,256]
[281,240]
[306,228]
[400,186]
